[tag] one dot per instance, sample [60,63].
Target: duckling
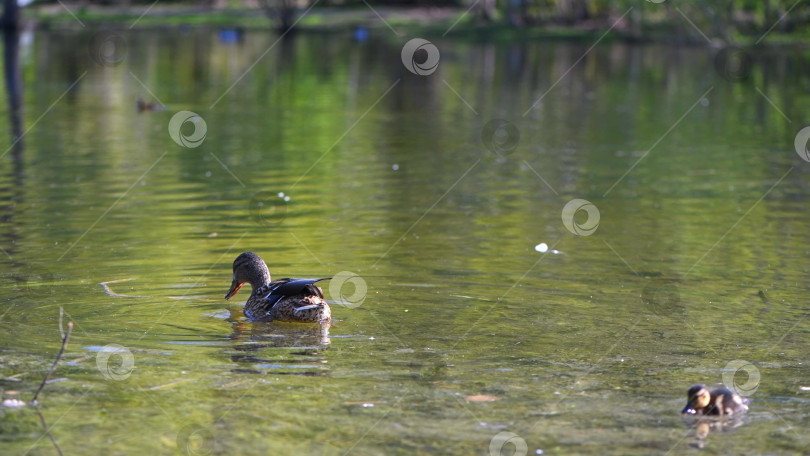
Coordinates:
[719,402]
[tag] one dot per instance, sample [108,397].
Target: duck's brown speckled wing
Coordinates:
[282,288]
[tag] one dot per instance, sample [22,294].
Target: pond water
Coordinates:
[427,196]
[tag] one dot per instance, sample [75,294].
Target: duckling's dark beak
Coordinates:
[235,286]
[688,410]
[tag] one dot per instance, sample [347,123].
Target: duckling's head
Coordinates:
[698,398]
[248,268]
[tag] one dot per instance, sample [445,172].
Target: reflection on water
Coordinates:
[326,156]
[279,334]
[699,429]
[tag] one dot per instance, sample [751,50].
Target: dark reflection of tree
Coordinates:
[12,193]
[11,15]
[11,62]
[281,11]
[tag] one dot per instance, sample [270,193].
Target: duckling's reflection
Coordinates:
[254,339]
[700,428]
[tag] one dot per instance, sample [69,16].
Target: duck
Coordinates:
[292,300]
[718,402]
[143,105]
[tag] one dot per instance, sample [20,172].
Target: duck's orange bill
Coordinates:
[235,286]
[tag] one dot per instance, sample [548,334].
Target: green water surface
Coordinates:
[458,329]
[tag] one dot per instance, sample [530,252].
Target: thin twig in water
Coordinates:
[61,316]
[45,426]
[65,339]
[109,291]
[55,362]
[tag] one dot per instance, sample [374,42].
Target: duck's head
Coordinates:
[698,398]
[248,268]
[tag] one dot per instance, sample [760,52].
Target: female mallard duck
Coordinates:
[719,402]
[283,299]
